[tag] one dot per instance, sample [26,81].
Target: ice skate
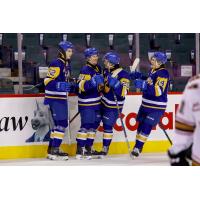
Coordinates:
[100,154]
[136,152]
[82,153]
[54,153]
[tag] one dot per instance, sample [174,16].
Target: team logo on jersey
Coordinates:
[52,72]
[150,81]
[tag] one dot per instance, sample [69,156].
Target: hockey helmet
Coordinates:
[160,57]
[64,45]
[90,52]
[112,57]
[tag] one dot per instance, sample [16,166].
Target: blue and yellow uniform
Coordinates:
[109,105]
[88,97]
[57,72]
[90,84]
[108,100]
[155,96]
[154,100]
[57,100]
[56,88]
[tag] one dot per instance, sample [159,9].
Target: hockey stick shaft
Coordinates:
[134,67]
[74,117]
[68,119]
[165,132]
[122,123]
[68,108]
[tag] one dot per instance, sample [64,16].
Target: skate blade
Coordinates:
[133,156]
[57,158]
[81,157]
[51,157]
[63,158]
[88,157]
[98,157]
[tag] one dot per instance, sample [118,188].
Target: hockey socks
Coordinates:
[57,136]
[81,137]
[107,138]
[142,135]
[90,138]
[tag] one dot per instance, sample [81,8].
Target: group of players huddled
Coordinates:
[101,96]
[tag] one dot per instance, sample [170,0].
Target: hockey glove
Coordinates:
[73,87]
[141,84]
[113,82]
[63,86]
[97,80]
[135,75]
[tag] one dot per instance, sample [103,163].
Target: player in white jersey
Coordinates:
[186,143]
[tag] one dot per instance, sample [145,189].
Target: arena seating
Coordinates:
[36,54]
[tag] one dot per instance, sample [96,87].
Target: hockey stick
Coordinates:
[68,121]
[135,64]
[165,132]
[123,126]
[68,109]
[133,68]
[74,117]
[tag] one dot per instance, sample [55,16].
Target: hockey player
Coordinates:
[187,126]
[154,99]
[56,88]
[116,84]
[89,100]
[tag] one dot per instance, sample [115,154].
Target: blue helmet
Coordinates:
[90,52]
[112,57]
[64,45]
[161,57]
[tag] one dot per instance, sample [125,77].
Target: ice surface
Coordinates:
[145,159]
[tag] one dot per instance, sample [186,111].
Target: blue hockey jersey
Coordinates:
[88,97]
[155,97]
[57,72]
[108,100]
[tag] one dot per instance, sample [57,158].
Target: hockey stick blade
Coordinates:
[134,65]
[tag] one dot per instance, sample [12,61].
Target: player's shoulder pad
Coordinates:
[124,74]
[55,63]
[163,73]
[85,70]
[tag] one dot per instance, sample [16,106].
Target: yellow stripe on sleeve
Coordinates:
[53,72]
[81,86]
[125,82]
[47,81]
[157,91]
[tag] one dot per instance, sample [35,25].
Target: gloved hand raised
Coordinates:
[63,86]
[97,80]
[113,82]
[135,75]
[140,84]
